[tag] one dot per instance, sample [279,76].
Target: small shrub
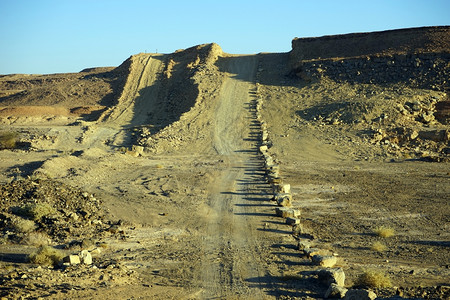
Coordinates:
[46,255]
[378,246]
[384,232]
[23,226]
[373,279]
[37,239]
[352,245]
[8,140]
[35,211]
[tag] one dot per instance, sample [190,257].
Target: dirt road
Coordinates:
[136,100]
[231,241]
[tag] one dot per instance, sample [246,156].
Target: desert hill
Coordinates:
[169,168]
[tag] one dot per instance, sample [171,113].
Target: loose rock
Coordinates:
[283,199]
[297,229]
[286,212]
[304,244]
[72,259]
[86,257]
[324,261]
[356,294]
[292,221]
[329,276]
[335,291]
[286,188]
[310,252]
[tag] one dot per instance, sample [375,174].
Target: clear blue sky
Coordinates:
[52,36]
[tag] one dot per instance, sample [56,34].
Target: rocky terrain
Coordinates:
[322,172]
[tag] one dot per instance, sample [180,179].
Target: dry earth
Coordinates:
[155,167]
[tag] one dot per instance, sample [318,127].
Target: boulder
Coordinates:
[139,150]
[286,212]
[304,244]
[281,211]
[269,161]
[297,229]
[326,261]
[310,252]
[275,180]
[282,188]
[294,212]
[283,199]
[413,135]
[334,275]
[356,294]
[71,260]
[285,188]
[292,221]
[335,291]
[86,257]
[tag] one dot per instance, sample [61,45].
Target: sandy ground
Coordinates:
[195,209]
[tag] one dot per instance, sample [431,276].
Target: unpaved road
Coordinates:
[140,92]
[233,196]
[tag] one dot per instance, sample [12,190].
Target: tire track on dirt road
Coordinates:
[137,99]
[231,246]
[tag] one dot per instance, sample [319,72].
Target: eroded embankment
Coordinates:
[189,86]
[159,88]
[417,56]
